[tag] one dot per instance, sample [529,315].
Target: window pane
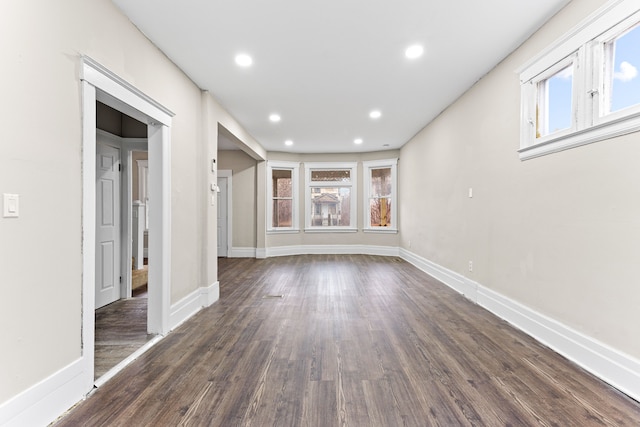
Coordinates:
[331,207]
[555,98]
[380,212]
[331,175]
[282,213]
[380,182]
[282,184]
[625,86]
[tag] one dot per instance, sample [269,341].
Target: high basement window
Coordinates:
[585,87]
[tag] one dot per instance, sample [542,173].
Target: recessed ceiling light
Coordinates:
[414,51]
[375,114]
[274,118]
[288,142]
[357,141]
[244,60]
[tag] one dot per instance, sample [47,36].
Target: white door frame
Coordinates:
[227,173]
[100,84]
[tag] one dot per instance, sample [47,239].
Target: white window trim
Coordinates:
[367,167]
[294,167]
[584,43]
[353,185]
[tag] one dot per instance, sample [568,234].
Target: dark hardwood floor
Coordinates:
[353,341]
[121,329]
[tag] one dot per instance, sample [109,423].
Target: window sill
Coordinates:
[600,132]
[283,231]
[331,230]
[381,230]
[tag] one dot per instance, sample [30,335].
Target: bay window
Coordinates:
[330,196]
[282,196]
[380,184]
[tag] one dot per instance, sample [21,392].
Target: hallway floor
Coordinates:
[341,340]
[121,329]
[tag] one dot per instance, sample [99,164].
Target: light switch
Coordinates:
[11,205]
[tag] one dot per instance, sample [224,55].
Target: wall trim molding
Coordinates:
[44,402]
[240,252]
[612,366]
[275,251]
[193,303]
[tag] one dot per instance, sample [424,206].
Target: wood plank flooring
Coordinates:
[354,341]
[121,329]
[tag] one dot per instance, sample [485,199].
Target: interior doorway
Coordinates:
[121,238]
[99,84]
[224,212]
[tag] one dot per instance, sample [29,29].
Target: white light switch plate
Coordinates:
[11,205]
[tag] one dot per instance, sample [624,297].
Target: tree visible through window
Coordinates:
[380,200]
[331,190]
[282,198]
[380,178]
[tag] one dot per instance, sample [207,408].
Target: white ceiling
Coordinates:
[324,65]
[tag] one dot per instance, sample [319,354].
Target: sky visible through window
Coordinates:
[560,100]
[624,86]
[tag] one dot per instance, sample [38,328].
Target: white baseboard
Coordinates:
[43,403]
[276,251]
[612,366]
[242,253]
[192,303]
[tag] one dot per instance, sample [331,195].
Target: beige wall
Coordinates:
[244,196]
[558,233]
[41,44]
[359,238]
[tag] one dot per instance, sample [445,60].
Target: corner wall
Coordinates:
[41,160]
[558,234]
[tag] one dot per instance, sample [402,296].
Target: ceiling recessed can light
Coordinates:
[414,51]
[375,114]
[274,117]
[288,142]
[244,60]
[357,141]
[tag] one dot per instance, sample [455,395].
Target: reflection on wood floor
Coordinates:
[353,341]
[121,329]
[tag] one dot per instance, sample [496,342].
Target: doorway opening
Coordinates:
[121,238]
[99,84]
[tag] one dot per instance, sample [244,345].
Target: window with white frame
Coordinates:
[380,192]
[585,87]
[282,196]
[331,191]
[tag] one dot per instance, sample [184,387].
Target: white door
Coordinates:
[223,223]
[107,224]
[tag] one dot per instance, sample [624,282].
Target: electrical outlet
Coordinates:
[409,243]
[470,265]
